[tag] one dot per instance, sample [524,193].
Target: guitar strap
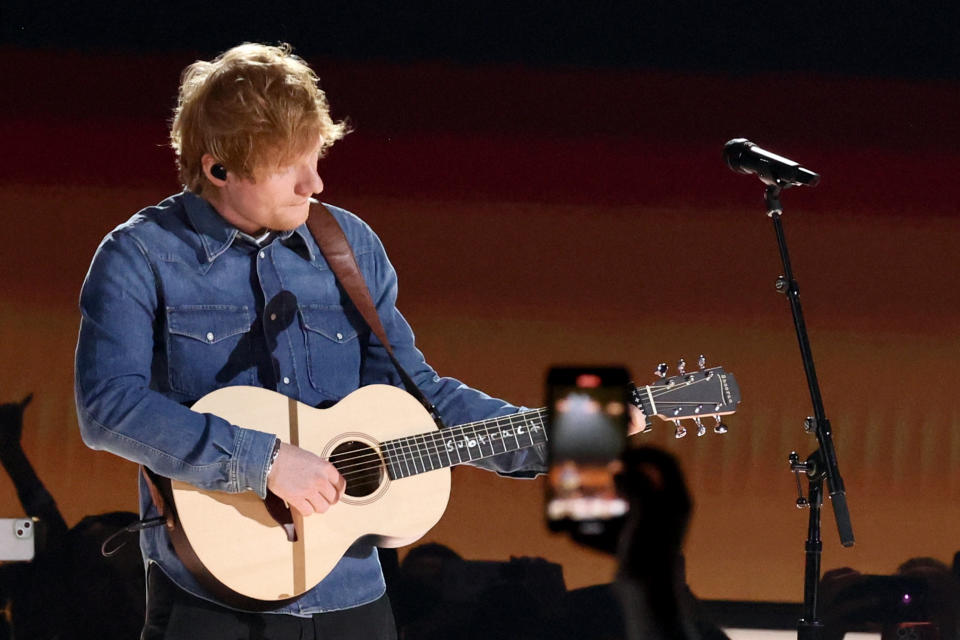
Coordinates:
[335,248]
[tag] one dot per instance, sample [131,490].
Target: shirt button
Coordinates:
[210,336]
[263,254]
[339,336]
[286,380]
[273,316]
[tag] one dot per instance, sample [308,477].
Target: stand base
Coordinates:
[809,630]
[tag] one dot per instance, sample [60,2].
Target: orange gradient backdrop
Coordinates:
[548,216]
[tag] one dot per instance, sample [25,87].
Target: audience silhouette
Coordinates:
[71,591]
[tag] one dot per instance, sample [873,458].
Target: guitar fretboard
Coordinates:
[464,443]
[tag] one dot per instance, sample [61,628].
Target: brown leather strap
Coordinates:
[336,249]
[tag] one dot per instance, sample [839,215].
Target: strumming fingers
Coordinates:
[319,503]
[329,494]
[304,507]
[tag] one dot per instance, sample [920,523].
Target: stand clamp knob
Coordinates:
[797,468]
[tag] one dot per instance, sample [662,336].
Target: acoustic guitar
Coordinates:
[259,554]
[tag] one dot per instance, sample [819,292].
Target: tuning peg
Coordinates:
[661,370]
[719,427]
[701,429]
[682,366]
[702,362]
[680,430]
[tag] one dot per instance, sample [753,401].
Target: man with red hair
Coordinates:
[223,285]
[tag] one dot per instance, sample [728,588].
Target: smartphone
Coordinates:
[17,539]
[587,432]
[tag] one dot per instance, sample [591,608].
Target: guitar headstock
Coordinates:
[706,393]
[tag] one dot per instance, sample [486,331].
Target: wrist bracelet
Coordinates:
[273,457]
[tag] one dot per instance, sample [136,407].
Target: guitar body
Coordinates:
[247,550]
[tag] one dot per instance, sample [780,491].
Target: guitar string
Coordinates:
[370,463]
[438,444]
[511,421]
[430,457]
[654,391]
[409,449]
[435,444]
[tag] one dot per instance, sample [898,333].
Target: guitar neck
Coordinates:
[469,442]
[688,396]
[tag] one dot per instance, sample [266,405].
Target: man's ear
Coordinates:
[215,172]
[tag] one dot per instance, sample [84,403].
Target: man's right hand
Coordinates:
[305,481]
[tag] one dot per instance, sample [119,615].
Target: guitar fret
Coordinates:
[386,451]
[436,453]
[508,433]
[391,446]
[505,426]
[426,449]
[436,446]
[417,455]
[451,446]
[519,429]
[466,441]
[414,454]
[405,457]
[444,446]
[538,427]
[418,452]
[496,437]
[398,460]
[513,432]
[527,438]
[463,444]
[484,444]
[469,441]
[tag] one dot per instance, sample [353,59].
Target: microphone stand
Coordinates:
[821,464]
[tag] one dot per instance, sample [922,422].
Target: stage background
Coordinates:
[554,211]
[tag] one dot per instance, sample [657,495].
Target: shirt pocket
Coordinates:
[333,349]
[208,347]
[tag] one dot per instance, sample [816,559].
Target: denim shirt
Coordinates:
[177,303]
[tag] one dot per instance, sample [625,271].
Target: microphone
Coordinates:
[743,156]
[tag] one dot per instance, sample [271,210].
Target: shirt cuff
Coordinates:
[254,449]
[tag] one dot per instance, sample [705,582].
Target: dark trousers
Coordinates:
[174,614]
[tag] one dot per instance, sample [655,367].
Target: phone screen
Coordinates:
[588,417]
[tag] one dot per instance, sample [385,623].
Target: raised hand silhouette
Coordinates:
[69,591]
[11,423]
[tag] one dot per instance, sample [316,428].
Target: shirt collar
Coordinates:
[216,234]
[300,241]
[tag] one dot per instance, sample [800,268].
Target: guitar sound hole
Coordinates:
[360,465]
